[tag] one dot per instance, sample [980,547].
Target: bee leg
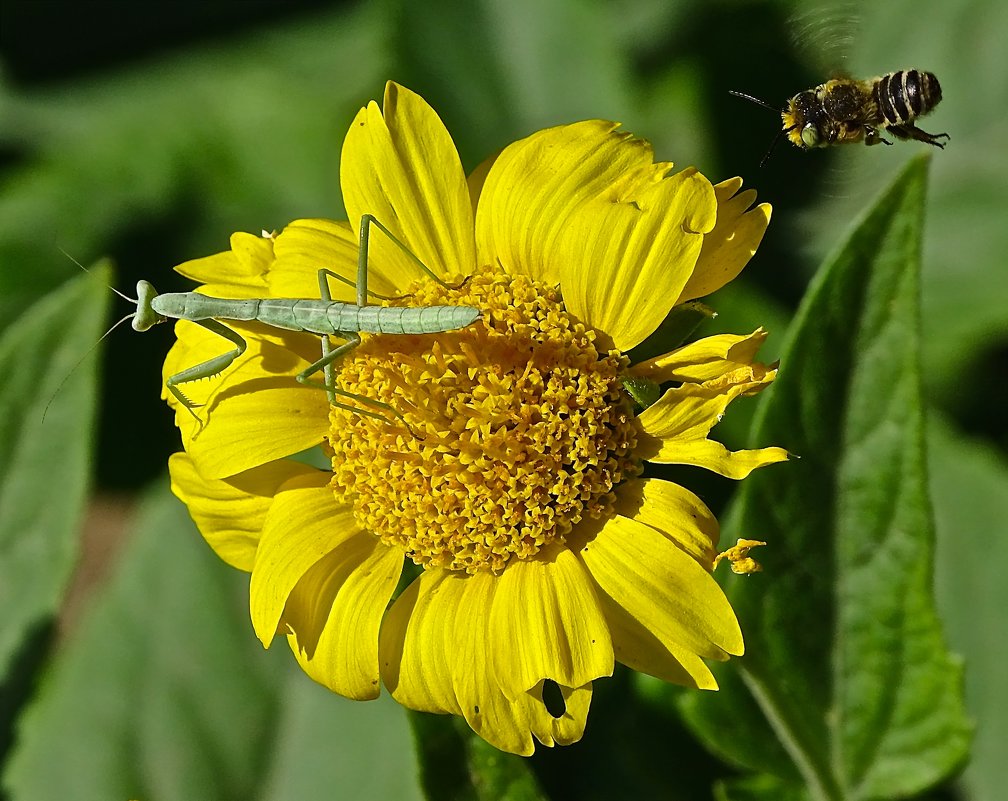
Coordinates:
[911,131]
[873,137]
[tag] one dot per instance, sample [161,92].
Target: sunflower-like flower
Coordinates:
[503,495]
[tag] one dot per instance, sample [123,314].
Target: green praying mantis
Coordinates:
[324,317]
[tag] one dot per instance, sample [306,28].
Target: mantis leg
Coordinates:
[329,356]
[326,294]
[366,221]
[326,360]
[210,367]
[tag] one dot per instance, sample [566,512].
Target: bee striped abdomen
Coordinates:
[905,95]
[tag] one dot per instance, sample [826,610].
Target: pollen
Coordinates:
[486,444]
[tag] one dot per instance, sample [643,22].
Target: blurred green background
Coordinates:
[147,133]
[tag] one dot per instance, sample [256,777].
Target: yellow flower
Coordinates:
[509,479]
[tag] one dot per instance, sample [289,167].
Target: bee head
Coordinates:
[805,121]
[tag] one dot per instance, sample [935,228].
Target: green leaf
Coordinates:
[846,682]
[324,742]
[758,788]
[164,693]
[969,482]
[457,764]
[44,465]
[135,706]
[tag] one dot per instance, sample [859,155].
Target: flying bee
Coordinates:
[846,110]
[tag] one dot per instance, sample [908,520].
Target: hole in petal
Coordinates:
[553,699]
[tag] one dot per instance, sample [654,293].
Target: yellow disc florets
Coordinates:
[510,431]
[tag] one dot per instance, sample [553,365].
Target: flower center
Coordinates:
[512,430]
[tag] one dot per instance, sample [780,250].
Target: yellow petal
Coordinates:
[302,527]
[623,261]
[253,412]
[335,612]
[676,428]
[716,457]
[639,649]
[230,514]
[417,639]
[663,589]
[436,656]
[569,726]
[692,410]
[704,359]
[675,512]
[545,624]
[476,179]
[728,248]
[239,272]
[306,246]
[404,169]
[535,185]
[501,721]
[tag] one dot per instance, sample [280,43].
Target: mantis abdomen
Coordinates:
[317,316]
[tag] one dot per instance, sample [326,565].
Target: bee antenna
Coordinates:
[755,100]
[774,142]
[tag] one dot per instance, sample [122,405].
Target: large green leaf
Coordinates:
[44,464]
[846,686]
[164,693]
[969,482]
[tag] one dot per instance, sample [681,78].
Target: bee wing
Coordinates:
[823,34]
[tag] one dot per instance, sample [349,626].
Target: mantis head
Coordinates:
[145,316]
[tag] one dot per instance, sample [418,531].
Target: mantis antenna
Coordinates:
[90,350]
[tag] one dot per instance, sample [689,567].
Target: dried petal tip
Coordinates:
[741,562]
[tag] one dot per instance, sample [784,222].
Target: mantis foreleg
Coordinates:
[210,367]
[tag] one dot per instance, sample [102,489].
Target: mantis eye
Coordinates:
[810,135]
